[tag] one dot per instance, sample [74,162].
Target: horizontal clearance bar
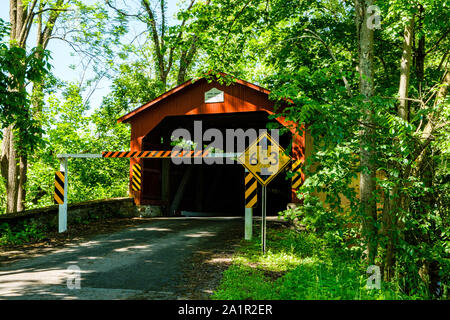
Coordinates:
[148,154]
[167,154]
[79,155]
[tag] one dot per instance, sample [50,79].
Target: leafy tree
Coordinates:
[313,50]
[374,100]
[81,26]
[17,67]
[23,15]
[172,46]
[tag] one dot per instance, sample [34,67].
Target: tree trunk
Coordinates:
[9,162]
[181,75]
[405,66]
[420,52]
[13,165]
[21,192]
[185,60]
[396,200]
[367,145]
[9,169]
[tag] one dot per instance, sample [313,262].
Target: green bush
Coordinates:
[20,233]
[333,227]
[303,266]
[319,281]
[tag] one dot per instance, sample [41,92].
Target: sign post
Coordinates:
[263,220]
[64,175]
[264,158]
[251,199]
[62,210]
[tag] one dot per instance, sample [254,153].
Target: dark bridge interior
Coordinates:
[207,189]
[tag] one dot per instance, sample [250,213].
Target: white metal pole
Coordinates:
[62,213]
[248,220]
[248,223]
[263,220]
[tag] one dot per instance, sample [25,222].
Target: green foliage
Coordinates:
[302,266]
[313,52]
[17,67]
[21,233]
[335,282]
[338,229]
[96,36]
[304,51]
[241,283]
[70,129]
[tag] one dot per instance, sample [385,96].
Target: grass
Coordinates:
[298,266]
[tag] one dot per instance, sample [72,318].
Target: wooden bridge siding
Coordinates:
[190,101]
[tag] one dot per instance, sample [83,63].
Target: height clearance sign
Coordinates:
[264,158]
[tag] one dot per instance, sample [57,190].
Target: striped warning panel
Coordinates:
[137,177]
[297,177]
[59,187]
[155,154]
[251,190]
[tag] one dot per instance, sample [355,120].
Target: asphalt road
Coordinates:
[142,262]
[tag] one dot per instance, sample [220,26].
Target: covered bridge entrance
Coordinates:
[197,106]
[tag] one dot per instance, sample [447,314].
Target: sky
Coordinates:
[63,58]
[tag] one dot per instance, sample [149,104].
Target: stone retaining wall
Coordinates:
[76,213]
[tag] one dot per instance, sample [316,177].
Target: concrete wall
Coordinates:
[76,213]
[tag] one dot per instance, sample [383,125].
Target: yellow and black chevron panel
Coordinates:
[297,171]
[251,190]
[155,154]
[59,187]
[137,177]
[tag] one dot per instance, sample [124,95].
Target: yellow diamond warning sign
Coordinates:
[264,158]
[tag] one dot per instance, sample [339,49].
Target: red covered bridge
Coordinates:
[211,188]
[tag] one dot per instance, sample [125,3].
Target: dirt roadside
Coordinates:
[203,270]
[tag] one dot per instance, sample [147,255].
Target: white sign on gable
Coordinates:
[213,96]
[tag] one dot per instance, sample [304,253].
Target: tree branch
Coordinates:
[108,3]
[29,16]
[152,23]
[232,24]
[437,42]
[48,30]
[344,79]
[52,9]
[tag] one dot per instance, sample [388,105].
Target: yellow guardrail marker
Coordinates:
[59,187]
[137,177]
